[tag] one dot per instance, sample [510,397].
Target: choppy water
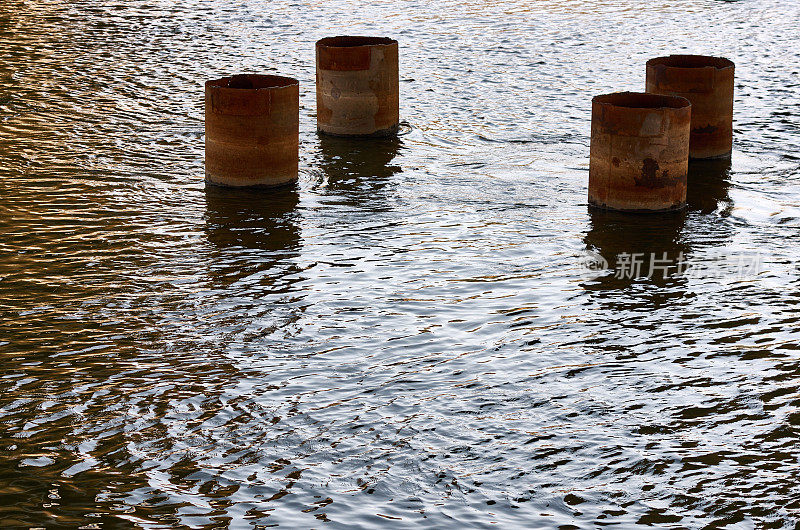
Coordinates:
[423,332]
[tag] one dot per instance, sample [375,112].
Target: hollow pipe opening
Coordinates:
[252,81]
[691,61]
[641,100]
[347,41]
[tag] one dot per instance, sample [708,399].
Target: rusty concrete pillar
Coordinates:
[639,152]
[252,130]
[707,82]
[358,86]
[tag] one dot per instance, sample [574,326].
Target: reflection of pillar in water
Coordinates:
[255,219]
[633,246]
[357,167]
[254,230]
[708,184]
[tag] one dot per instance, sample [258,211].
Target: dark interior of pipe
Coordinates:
[253,81]
[350,41]
[691,61]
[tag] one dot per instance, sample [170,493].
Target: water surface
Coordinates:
[427,331]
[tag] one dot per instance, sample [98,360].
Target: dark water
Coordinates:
[432,331]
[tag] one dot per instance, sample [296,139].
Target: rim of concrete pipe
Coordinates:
[642,100]
[252,82]
[691,61]
[354,41]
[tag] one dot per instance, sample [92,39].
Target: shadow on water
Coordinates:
[357,169]
[253,229]
[632,249]
[708,185]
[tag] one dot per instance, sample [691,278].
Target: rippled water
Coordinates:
[432,330]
